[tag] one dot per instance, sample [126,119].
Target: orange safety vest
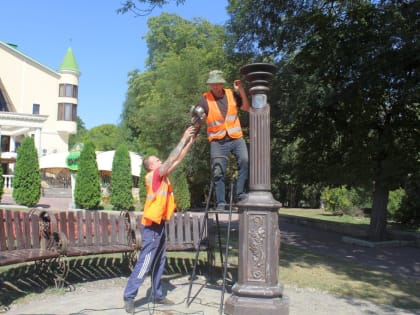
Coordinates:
[217,125]
[159,205]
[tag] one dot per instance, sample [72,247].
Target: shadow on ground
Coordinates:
[22,280]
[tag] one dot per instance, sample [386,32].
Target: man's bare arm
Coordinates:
[237,84]
[175,154]
[183,153]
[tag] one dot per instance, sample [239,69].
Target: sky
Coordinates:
[106,45]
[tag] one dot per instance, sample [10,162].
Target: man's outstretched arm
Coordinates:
[179,152]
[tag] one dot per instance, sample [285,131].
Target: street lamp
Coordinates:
[258,290]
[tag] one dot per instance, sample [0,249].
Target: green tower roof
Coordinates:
[69,62]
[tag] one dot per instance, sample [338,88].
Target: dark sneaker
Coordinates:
[129,306]
[164,301]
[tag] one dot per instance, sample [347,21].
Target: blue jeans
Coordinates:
[219,153]
[152,257]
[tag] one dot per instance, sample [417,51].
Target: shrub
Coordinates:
[27,177]
[409,212]
[142,187]
[395,201]
[180,187]
[335,199]
[87,191]
[121,180]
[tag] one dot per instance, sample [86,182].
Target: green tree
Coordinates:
[27,177]
[105,137]
[181,53]
[79,137]
[138,6]
[347,88]
[87,191]
[121,180]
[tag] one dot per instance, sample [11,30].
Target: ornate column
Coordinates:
[258,290]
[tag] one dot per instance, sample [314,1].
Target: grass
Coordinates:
[323,215]
[328,216]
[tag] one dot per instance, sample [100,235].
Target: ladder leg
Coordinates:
[226,252]
[197,252]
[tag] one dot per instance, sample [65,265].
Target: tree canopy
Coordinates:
[156,111]
[344,102]
[347,92]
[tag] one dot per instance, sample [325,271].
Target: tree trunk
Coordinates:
[378,218]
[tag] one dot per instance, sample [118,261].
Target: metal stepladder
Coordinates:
[224,261]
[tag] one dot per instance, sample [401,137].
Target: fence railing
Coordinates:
[7,183]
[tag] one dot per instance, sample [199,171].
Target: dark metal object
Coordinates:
[202,227]
[258,290]
[225,263]
[197,117]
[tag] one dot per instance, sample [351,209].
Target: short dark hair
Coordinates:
[146,163]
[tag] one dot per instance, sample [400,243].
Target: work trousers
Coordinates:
[220,151]
[152,258]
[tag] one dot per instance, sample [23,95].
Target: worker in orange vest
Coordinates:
[158,208]
[224,133]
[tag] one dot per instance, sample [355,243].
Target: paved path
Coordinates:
[44,202]
[403,261]
[104,297]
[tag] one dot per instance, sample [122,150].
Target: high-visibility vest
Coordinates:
[217,125]
[159,205]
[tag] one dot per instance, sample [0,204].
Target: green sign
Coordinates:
[72,159]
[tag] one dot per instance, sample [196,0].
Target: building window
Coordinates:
[3,105]
[67,112]
[5,143]
[35,109]
[68,90]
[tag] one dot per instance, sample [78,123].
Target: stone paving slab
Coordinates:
[105,297]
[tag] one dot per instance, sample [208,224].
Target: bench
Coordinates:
[184,233]
[90,232]
[56,235]
[27,236]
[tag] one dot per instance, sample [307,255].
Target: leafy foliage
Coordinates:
[106,137]
[87,191]
[409,212]
[180,186]
[156,111]
[142,186]
[139,9]
[121,180]
[335,199]
[27,177]
[80,135]
[347,89]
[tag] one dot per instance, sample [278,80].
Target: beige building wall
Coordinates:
[24,82]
